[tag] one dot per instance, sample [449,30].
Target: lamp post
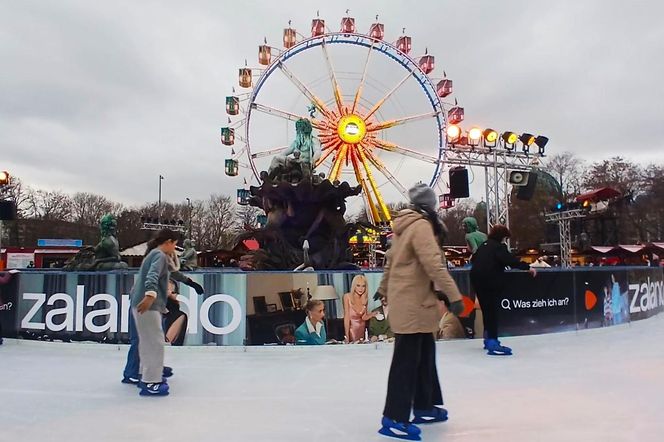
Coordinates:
[159,202]
[5,180]
[189,215]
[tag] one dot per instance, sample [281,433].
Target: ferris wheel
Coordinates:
[377,111]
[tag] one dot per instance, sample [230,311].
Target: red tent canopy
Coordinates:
[604,193]
[632,248]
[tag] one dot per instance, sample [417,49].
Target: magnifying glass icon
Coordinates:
[505,304]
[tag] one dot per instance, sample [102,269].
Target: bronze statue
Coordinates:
[305,212]
[189,257]
[305,151]
[107,252]
[105,255]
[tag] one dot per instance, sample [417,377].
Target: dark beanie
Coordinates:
[423,196]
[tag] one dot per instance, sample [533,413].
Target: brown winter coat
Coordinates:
[414,262]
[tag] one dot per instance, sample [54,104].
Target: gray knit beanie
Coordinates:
[423,196]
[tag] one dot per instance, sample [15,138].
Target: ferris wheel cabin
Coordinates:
[377,31]
[348,25]
[404,44]
[264,55]
[427,63]
[317,27]
[444,88]
[228,136]
[245,77]
[232,105]
[290,38]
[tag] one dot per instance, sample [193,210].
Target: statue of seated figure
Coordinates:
[305,151]
[107,252]
[189,257]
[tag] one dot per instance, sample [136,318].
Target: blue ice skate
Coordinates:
[154,389]
[436,414]
[494,348]
[485,341]
[141,384]
[399,430]
[168,372]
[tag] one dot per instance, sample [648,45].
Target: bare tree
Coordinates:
[213,222]
[88,208]
[452,219]
[16,192]
[616,172]
[48,205]
[247,216]
[567,169]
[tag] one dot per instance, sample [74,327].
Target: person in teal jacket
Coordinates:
[312,330]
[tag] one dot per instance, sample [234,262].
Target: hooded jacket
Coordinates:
[489,262]
[414,265]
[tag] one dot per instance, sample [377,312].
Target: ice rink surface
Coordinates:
[593,385]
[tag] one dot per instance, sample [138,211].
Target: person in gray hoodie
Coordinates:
[148,302]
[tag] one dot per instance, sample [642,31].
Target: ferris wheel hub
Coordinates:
[351,129]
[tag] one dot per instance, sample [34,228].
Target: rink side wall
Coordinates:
[86,306]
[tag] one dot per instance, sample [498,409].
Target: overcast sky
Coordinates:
[105,96]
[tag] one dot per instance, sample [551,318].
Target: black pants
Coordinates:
[413,381]
[169,319]
[489,298]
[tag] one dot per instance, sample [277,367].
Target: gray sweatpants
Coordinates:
[150,345]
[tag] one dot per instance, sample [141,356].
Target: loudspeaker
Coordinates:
[7,211]
[459,182]
[518,178]
[526,192]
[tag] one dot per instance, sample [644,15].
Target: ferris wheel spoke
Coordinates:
[285,114]
[305,91]
[392,147]
[239,153]
[324,156]
[389,94]
[337,165]
[381,203]
[391,123]
[338,162]
[359,176]
[268,152]
[391,178]
[358,93]
[333,78]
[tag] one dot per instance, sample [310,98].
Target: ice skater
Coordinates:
[488,278]
[130,374]
[414,265]
[148,302]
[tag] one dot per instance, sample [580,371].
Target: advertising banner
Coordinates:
[8,303]
[95,306]
[602,297]
[543,304]
[265,308]
[645,289]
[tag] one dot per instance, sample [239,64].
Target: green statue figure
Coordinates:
[305,151]
[189,257]
[107,252]
[474,238]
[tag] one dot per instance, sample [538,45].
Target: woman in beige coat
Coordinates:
[415,266]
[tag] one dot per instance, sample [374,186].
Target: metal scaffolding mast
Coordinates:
[563,220]
[497,163]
